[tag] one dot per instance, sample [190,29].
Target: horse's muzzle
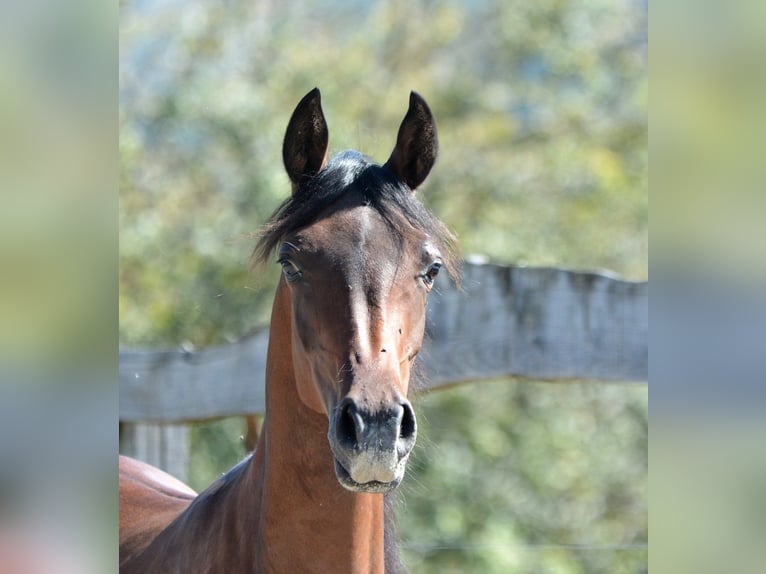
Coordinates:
[371,449]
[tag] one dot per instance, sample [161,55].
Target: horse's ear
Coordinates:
[304,151]
[416,145]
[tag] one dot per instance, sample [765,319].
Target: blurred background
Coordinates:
[542,114]
[58,286]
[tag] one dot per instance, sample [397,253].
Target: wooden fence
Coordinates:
[520,322]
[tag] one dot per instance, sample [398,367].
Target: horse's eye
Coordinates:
[290,269]
[430,275]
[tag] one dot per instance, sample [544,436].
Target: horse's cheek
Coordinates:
[404,374]
[304,381]
[310,397]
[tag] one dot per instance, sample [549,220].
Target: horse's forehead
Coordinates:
[356,238]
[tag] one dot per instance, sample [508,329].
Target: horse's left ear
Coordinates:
[304,150]
[416,145]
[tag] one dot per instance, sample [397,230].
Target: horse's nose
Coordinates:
[391,429]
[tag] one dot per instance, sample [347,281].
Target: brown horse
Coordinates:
[359,254]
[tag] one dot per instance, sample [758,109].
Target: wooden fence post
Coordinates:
[165,446]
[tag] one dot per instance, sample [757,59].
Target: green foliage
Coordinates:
[538,477]
[218,446]
[541,109]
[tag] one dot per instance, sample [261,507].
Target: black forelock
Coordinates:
[348,172]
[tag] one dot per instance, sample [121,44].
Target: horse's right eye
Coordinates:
[290,270]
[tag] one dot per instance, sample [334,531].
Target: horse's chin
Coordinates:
[372,487]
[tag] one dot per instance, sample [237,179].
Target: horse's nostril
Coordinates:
[348,425]
[407,427]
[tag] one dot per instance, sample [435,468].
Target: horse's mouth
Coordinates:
[374,486]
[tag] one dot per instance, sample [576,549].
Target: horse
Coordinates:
[359,255]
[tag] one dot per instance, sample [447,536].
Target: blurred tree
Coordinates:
[542,117]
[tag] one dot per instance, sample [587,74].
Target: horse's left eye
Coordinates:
[430,276]
[290,269]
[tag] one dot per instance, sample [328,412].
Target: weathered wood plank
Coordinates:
[537,323]
[173,386]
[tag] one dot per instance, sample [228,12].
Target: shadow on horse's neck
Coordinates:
[306,517]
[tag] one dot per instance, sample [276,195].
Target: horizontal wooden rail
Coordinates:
[534,323]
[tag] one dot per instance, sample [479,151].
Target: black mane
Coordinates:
[347,172]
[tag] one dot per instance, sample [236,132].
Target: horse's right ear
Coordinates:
[304,151]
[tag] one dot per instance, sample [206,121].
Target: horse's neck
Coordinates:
[307,520]
[282,510]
